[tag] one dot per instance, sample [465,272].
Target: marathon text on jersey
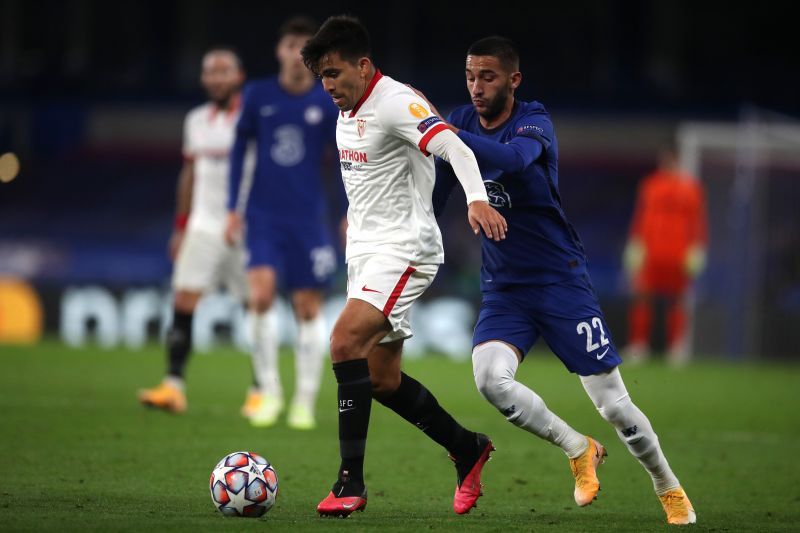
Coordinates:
[345,154]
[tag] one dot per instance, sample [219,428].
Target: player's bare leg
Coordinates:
[494,365]
[309,354]
[416,404]
[608,393]
[264,346]
[170,394]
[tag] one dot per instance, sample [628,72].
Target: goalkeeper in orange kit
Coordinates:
[666,250]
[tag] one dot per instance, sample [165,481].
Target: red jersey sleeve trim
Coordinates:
[430,134]
[367,92]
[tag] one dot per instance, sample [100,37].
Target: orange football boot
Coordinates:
[678,507]
[165,396]
[584,469]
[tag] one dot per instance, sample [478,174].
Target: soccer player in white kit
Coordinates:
[386,135]
[203,260]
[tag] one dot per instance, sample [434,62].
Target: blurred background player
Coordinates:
[536,283]
[203,260]
[666,250]
[291,120]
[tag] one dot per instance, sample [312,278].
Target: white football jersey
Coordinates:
[208,136]
[388,175]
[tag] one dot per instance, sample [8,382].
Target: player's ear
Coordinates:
[516,79]
[363,66]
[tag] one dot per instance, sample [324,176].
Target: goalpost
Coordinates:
[747,303]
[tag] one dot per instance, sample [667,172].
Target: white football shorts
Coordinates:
[391,285]
[205,262]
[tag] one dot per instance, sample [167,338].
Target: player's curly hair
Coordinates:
[500,47]
[343,34]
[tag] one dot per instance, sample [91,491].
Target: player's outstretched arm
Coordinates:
[236,190]
[246,129]
[481,215]
[514,156]
[236,171]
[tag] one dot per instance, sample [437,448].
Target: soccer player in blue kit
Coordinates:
[291,120]
[535,282]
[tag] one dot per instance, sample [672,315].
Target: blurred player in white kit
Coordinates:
[203,260]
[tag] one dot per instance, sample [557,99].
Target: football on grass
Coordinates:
[243,484]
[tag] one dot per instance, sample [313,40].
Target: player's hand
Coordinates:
[175,242]
[484,217]
[233,229]
[633,257]
[695,261]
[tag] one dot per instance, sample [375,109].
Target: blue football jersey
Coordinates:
[541,245]
[290,132]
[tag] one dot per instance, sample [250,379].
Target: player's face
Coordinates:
[489,85]
[221,76]
[287,51]
[343,80]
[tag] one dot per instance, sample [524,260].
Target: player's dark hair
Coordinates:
[342,34]
[298,25]
[500,47]
[225,49]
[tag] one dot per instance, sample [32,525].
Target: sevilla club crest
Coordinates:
[361,125]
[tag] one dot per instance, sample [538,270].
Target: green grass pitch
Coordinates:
[79,453]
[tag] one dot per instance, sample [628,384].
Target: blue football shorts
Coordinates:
[302,255]
[565,314]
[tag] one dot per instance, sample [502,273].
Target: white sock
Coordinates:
[175,382]
[609,395]
[309,356]
[494,365]
[263,336]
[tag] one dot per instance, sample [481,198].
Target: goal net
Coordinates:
[747,303]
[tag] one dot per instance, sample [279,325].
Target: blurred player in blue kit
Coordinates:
[535,283]
[290,120]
